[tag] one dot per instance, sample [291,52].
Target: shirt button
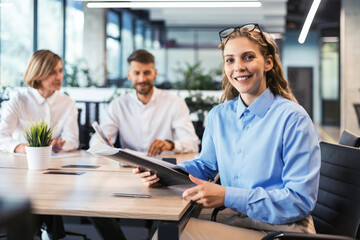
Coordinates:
[239,151]
[236,177]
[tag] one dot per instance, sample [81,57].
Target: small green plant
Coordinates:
[39,134]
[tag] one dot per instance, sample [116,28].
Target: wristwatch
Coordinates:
[172,144]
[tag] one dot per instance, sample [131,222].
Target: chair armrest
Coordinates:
[298,236]
[215,212]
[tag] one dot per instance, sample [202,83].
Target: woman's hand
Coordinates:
[20,148]
[57,144]
[150,180]
[207,194]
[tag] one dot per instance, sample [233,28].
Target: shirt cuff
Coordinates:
[176,145]
[236,199]
[12,146]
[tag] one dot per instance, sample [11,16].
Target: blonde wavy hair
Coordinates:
[275,79]
[39,67]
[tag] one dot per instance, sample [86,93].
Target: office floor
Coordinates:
[132,229]
[328,133]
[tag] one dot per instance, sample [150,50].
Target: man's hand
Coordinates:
[150,180]
[207,194]
[20,148]
[157,147]
[57,144]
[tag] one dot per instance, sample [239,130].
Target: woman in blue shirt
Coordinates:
[262,143]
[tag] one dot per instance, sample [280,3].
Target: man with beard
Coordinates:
[149,120]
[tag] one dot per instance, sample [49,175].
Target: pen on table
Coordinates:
[131,195]
[57,149]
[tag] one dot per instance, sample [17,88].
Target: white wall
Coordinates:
[349,64]
[94,42]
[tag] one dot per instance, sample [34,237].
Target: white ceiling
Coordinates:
[271,16]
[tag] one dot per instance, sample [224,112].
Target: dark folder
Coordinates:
[169,174]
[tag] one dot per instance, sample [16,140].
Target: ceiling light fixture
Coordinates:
[173,4]
[309,19]
[6,5]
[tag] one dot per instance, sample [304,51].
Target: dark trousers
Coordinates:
[54,225]
[108,228]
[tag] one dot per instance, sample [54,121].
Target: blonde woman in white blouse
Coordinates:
[44,74]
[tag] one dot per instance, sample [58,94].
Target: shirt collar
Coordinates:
[40,99]
[259,107]
[152,99]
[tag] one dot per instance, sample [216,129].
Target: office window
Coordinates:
[113,25]
[330,70]
[127,41]
[139,34]
[113,47]
[181,38]
[156,38]
[74,31]
[148,37]
[50,25]
[15,41]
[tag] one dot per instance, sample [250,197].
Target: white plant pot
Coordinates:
[38,158]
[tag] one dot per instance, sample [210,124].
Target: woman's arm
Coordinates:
[9,122]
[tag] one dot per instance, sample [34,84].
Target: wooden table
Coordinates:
[10,160]
[90,194]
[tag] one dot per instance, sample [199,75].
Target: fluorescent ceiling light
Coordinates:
[173,4]
[8,5]
[165,1]
[309,19]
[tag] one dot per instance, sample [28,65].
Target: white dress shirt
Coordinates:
[165,116]
[29,106]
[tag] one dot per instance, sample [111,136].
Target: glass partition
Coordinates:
[74,31]
[15,41]
[127,41]
[49,28]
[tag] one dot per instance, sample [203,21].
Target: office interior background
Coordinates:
[95,42]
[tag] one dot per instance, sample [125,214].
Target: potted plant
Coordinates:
[38,152]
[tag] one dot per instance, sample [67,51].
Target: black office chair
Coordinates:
[349,139]
[357,111]
[337,211]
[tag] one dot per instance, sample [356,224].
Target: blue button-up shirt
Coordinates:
[267,155]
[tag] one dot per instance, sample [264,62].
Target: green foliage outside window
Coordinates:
[200,104]
[78,75]
[193,77]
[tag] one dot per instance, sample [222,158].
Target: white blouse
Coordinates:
[165,116]
[29,106]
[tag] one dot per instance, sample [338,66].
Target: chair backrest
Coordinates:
[357,111]
[337,210]
[349,139]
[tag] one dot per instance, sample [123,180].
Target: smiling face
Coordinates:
[245,68]
[142,76]
[52,82]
